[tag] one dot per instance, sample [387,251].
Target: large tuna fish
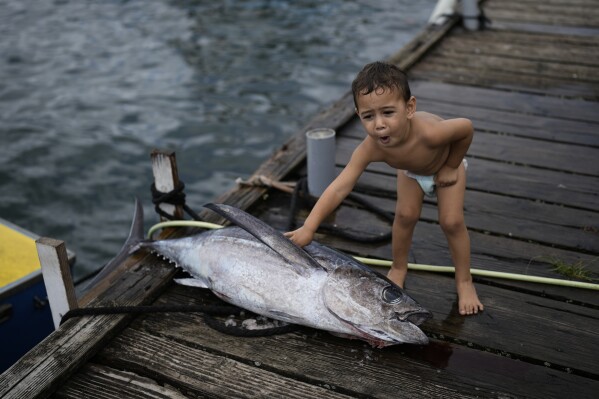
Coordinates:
[257,268]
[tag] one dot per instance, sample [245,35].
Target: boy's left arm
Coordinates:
[459,133]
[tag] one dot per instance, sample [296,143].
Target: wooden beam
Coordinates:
[57,277]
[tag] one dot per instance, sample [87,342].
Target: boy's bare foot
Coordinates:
[468,299]
[398,276]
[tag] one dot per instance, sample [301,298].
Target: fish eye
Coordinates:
[392,294]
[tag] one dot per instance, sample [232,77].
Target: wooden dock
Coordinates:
[530,84]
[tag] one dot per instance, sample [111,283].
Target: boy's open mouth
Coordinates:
[384,139]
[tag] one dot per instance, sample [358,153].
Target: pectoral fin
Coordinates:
[191,282]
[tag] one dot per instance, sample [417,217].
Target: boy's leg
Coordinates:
[407,213]
[451,218]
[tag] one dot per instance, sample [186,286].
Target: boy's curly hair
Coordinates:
[380,75]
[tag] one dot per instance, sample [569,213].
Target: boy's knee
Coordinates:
[407,217]
[453,224]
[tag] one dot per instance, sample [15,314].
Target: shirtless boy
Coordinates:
[428,153]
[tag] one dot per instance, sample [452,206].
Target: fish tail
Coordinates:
[132,244]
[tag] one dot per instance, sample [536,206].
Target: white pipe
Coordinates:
[470,14]
[320,147]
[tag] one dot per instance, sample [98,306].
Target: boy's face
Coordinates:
[385,115]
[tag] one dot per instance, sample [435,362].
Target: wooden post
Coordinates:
[166,178]
[57,277]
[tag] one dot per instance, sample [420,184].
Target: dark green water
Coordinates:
[89,88]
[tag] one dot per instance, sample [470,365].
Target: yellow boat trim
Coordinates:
[18,254]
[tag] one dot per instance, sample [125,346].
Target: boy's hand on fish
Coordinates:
[300,237]
[446,176]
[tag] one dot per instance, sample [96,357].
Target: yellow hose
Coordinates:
[182,223]
[411,266]
[486,273]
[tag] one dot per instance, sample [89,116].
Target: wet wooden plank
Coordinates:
[564,8]
[536,28]
[473,46]
[527,152]
[501,100]
[521,125]
[521,69]
[347,366]
[557,19]
[561,37]
[499,79]
[540,330]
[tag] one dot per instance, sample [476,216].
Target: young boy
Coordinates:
[428,153]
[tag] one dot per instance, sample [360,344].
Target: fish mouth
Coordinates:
[416,317]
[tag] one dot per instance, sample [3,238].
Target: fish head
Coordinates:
[375,309]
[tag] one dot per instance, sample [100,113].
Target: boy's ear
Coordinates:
[411,106]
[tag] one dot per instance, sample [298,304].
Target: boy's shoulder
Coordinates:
[427,117]
[435,131]
[426,125]
[368,151]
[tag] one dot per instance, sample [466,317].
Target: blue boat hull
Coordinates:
[25,320]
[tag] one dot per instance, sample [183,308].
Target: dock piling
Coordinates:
[166,179]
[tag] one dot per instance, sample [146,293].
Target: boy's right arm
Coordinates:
[331,197]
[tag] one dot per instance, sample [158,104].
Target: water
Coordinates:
[89,88]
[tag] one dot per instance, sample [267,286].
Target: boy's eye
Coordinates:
[366,117]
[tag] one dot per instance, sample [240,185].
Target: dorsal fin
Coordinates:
[136,234]
[299,259]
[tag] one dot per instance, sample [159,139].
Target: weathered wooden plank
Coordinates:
[564,8]
[97,381]
[205,373]
[559,37]
[540,28]
[534,105]
[50,363]
[521,68]
[559,2]
[471,46]
[440,370]
[498,79]
[541,127]
[558,19]
[527,152]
